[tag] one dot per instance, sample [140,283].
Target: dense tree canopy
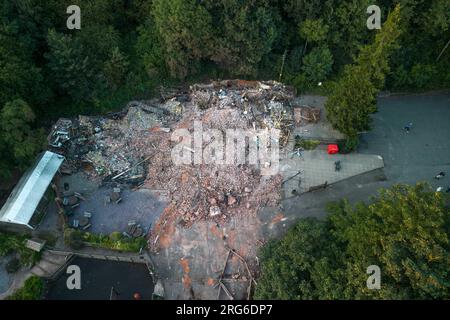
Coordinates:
[405,231]
[20,141]
[352,99]
[126,48]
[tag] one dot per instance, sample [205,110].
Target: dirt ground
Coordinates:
[191,261]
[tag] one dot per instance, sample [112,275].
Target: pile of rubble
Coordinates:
[112,146]
[135,145]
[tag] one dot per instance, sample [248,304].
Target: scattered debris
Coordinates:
[133,148]
[306,114]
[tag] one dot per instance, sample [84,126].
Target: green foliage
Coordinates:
[348,145]
[149,48]
[405,231]
[115,241]
[400,78]
[15,244]
[76,239]
[73,238]
[374,58]
[353,96]
[351,102]
[430,21]
[287,264]
[33,289]
[22,141]
[347,21]
[185,30]
[71,70]
[313,30]
[19,76]
[317,64]
[422,75]
[244,33]
[116,68]
[305,144]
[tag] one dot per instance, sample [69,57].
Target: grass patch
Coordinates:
[305,144]
[76,239]
[31,290]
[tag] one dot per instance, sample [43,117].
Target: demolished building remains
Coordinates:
[133,148]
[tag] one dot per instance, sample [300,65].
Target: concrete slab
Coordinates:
[190,260]
[141,205]
[317,168]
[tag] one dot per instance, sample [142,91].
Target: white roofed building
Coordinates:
[31,194]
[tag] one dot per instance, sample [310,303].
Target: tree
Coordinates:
[353,97]
[115,68]
[313,31]
[404,230]
[244,33]
[422,75]
[150,49]
[374,58]
[351,102]
[21,140]
[347,31]
[185,28]
[19,76]
[317,64]
[71,69]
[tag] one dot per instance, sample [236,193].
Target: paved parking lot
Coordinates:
[317,168]
[408,157]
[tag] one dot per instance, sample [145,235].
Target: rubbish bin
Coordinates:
[333,148]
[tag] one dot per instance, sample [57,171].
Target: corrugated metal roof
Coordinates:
[27,194]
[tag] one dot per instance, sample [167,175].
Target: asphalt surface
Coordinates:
[409,157]
[419,154]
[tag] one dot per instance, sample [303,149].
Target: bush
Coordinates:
[348,145]
[422,75]
[76,239]
[400,78]
[73,238]
[115,236]
[305,144]
[11,243]
[32,290]
[115,241]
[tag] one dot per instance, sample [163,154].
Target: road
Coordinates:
[409,157]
